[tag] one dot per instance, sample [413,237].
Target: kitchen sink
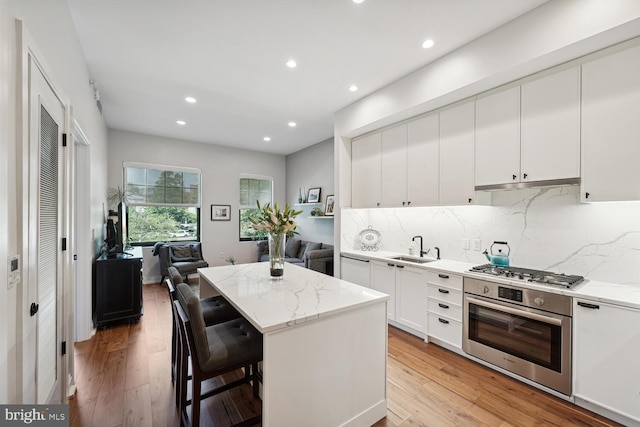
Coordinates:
[412,259]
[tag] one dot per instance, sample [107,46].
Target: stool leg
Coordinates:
[195,398]
[256,387]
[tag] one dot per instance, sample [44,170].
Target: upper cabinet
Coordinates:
[498,138]
[530,133]
[456,185]
[611,127]
[394,166]
[366,169]
[423,170]
[550,144]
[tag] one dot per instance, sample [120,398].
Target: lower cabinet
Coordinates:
[407,289]
[606,371]
[117,291]
[445,308]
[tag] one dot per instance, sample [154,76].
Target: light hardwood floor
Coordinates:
[123,379]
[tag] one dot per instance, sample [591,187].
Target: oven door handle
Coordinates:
[532,316]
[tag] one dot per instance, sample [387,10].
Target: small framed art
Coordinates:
[314,195]
[220,212]
[328,206]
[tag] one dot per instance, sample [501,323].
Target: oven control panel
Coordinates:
[510,294]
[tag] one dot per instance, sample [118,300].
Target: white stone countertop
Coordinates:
[303,295]
[627,295]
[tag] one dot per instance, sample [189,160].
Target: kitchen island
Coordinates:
[324,343]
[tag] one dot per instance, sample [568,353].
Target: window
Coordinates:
[163,203]
[253,189]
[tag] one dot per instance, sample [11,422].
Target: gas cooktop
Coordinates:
[527,275]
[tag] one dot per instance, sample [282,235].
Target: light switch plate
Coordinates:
[476,245]
[13,271]
[465,244]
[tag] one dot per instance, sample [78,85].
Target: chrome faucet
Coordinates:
[422,252]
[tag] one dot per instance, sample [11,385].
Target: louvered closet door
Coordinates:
[50,117]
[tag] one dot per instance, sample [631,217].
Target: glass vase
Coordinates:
[276,255]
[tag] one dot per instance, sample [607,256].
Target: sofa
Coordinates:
[186,257]
[312,255]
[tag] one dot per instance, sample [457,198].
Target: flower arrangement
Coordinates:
[278,225]
[274,221]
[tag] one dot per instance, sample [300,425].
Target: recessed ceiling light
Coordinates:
[358,1]
[292,124]
[353,88]
[190,99]
[181,122]
[267,138]
[427,43]
[291,63]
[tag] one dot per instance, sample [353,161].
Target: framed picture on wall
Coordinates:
[220,212]
[314,195]
[328,206]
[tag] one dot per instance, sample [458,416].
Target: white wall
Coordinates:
[221,168]
[309,168]
[556,32]
[49,24]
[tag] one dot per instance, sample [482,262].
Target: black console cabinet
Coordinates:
[117,287]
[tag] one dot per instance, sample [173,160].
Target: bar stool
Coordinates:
[214,350]
[214,310]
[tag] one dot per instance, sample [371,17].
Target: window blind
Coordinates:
[158,185]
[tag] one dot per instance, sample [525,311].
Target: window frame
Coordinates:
[165,168]
[242,207]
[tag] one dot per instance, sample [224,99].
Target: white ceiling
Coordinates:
[146,56]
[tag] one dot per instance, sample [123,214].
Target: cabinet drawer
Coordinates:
[445,329]
[445,294]
[445,279]
[445,309]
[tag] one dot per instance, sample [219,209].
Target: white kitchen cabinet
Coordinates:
[422,161]
[605,356]
[383,279]
[445,308]
[610,127]
[550,138]
[498,138]
[394,166]
[411,298]
[366,171]
[355,270]
[456,186]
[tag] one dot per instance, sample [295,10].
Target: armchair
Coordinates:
[312,255]
[186,257]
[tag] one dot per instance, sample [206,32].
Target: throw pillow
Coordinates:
[196,255]
[180,253]
[291,248]
[311,246]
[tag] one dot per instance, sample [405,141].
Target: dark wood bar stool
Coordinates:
[214,350]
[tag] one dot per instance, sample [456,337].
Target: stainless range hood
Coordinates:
[529,184]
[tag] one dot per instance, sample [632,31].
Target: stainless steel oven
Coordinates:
[524,331]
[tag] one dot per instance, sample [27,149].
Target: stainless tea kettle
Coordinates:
[498,259]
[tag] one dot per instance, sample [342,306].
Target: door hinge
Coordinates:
[64,243]
[64,139]
[63,348]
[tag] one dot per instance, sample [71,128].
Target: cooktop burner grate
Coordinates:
[534,276]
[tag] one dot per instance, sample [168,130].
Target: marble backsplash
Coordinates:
[547,228]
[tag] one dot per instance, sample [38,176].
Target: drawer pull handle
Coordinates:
[400,266]
[443,291]
[443,306]
[441,320]
[443,276]
[391,265]
[587,305]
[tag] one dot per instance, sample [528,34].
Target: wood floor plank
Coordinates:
[137,407]
[137,369]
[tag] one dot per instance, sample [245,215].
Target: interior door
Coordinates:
[46,126]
